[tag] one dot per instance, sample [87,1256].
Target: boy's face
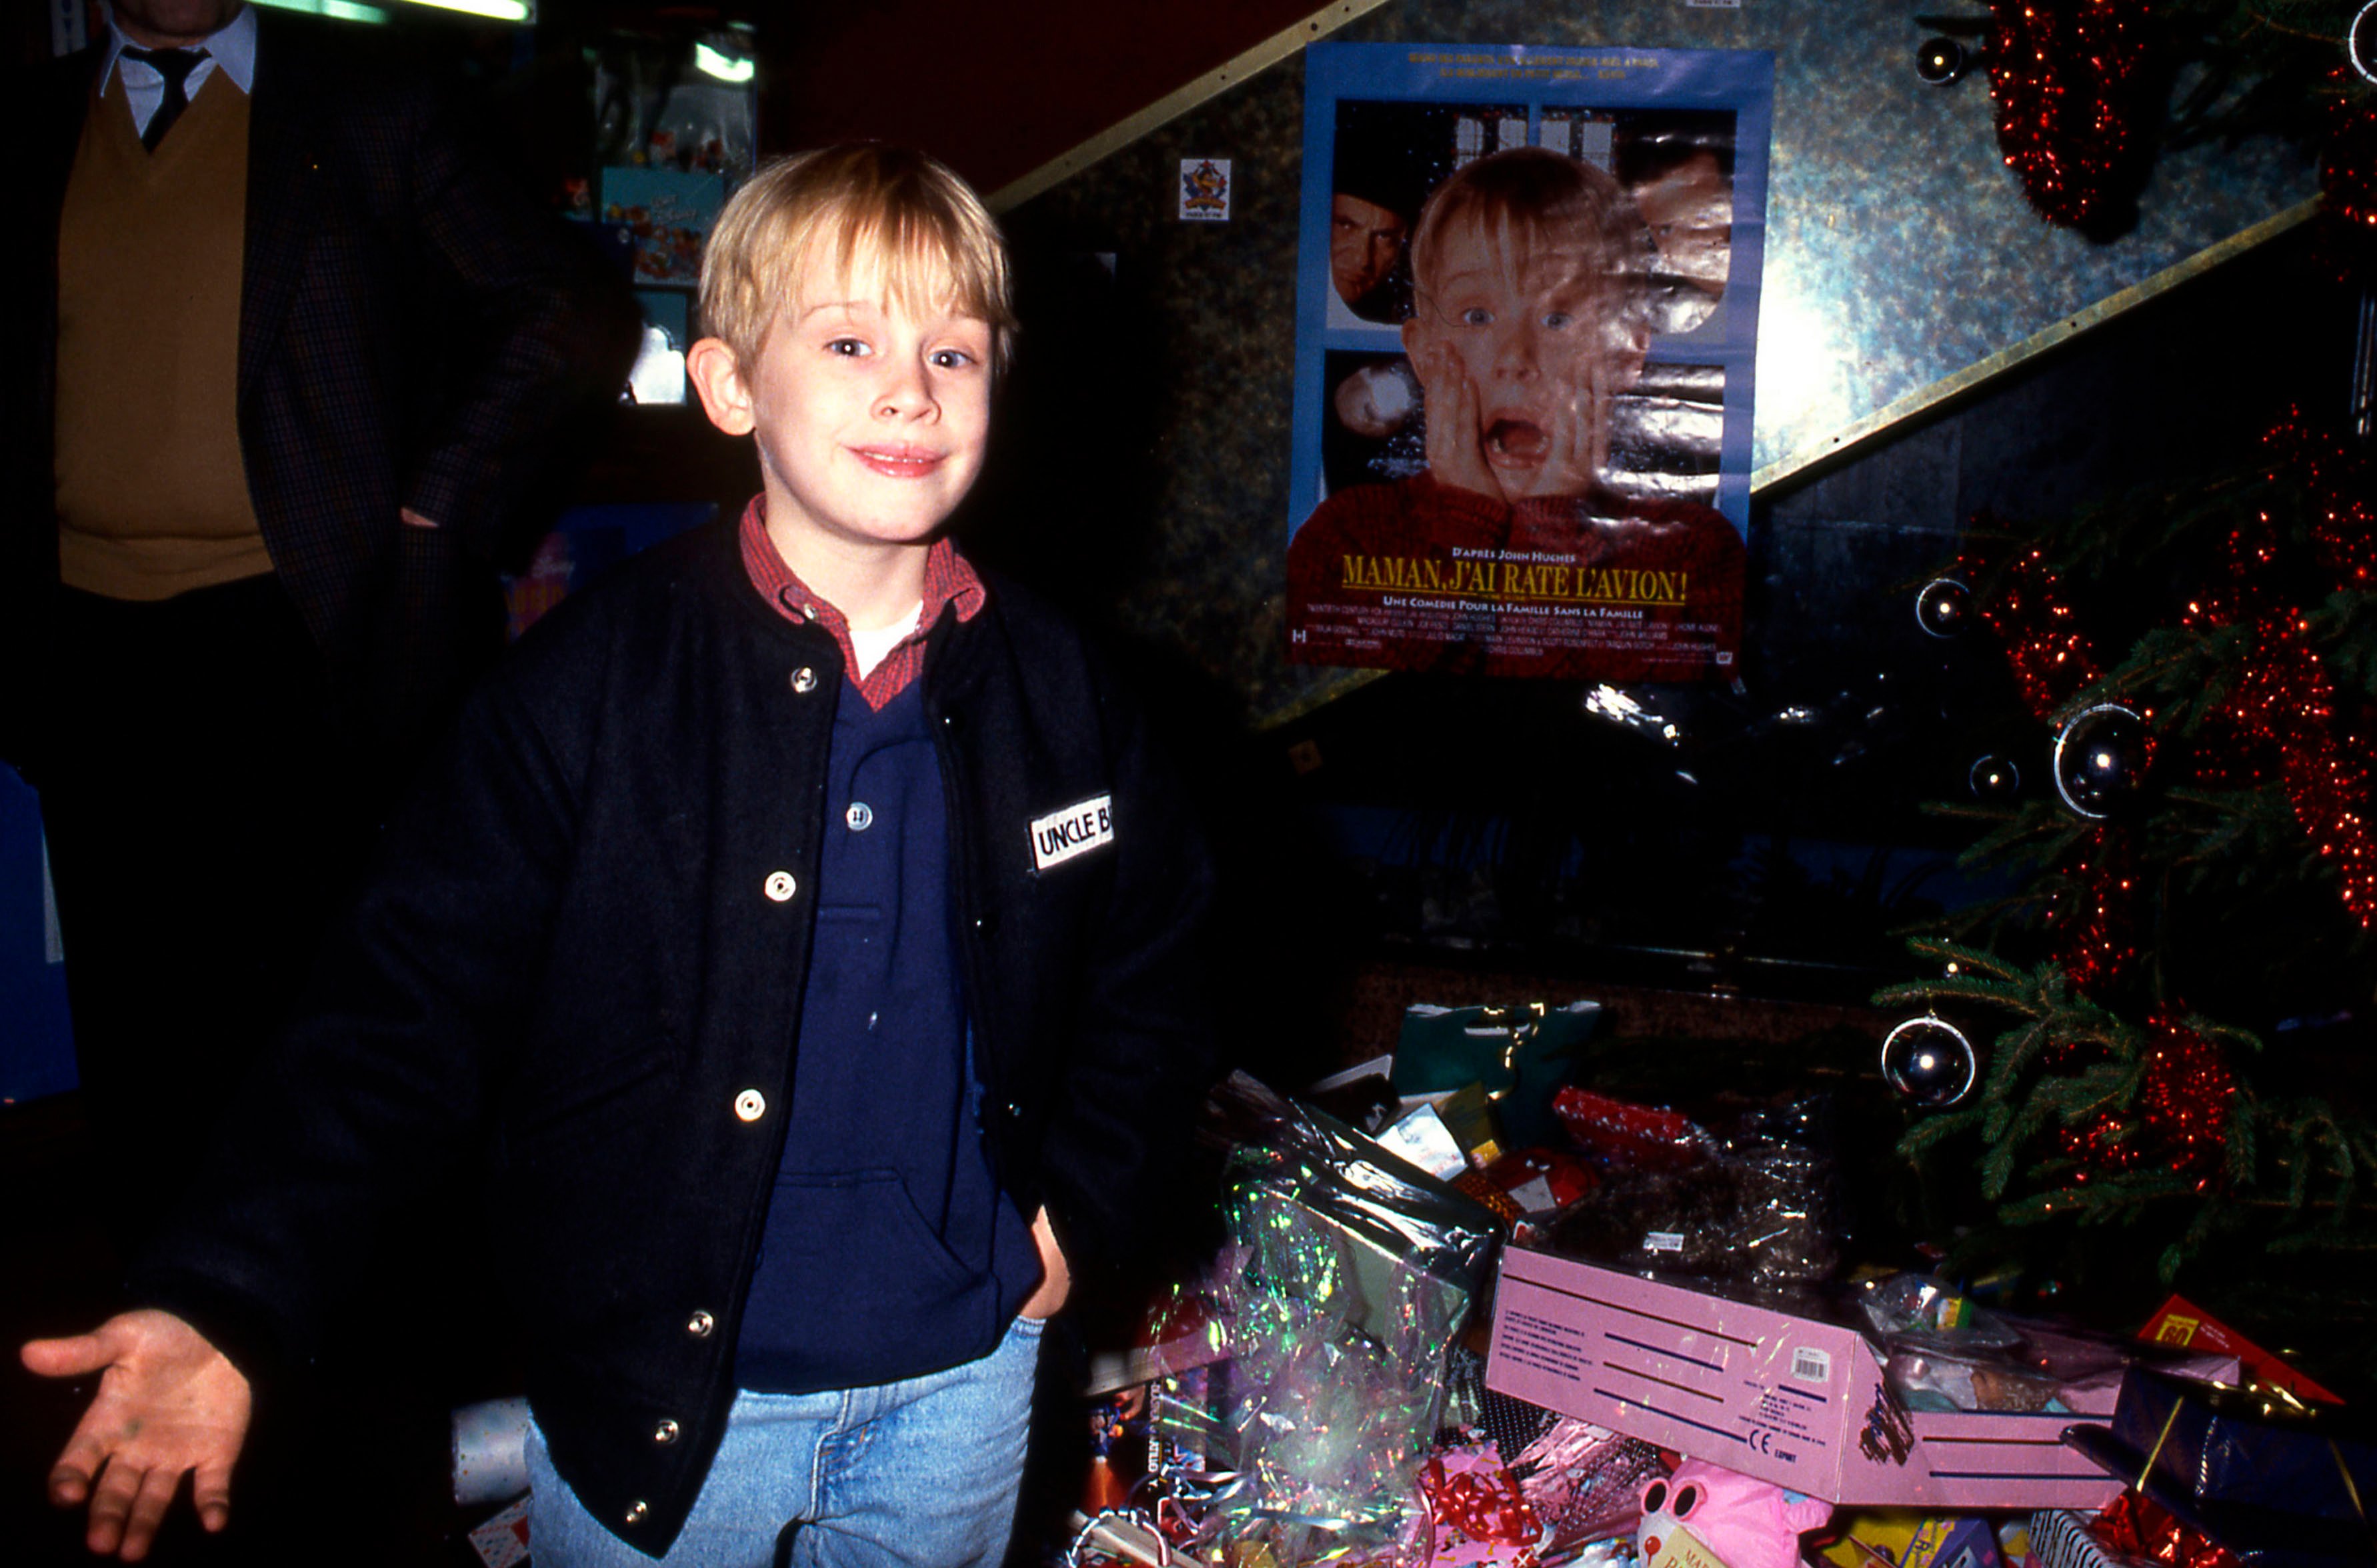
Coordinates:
[1522,347]
[871,420]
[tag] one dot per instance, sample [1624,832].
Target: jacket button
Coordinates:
[951,723]
[779,886]
[665,1433]
[750,1105]
[702,1326]
[987,922]
[804,680]
[637,1511]
[1015,1111]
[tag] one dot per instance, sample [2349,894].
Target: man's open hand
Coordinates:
[169,1404]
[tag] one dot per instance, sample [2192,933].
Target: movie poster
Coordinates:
[1526,324]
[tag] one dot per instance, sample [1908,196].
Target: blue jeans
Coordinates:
[923,1472]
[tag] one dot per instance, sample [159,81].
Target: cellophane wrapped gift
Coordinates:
[1748,1195]
[1358,1274]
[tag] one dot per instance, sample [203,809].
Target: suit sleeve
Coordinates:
[561,331]
[387,1073]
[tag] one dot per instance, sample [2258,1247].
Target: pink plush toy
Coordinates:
[1749,1523]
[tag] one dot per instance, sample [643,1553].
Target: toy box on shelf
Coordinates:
[1790,1399]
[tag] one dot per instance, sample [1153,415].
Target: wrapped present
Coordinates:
[2279,1483]
[1521,1054]
[2182,1322]
[1356,1276]
[1749,1194]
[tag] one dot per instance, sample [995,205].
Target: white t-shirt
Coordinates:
[873,647]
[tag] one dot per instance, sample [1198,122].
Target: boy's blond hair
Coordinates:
[1530,195]
[850,208]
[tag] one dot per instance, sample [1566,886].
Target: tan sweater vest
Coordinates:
[152,494]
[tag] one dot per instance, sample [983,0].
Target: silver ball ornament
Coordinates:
[1928,1061]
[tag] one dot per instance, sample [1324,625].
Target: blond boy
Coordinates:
[805,926]
[1530,321]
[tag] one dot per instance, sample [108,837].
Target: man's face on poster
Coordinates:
[1523,343]
[1365,240]
[1690,211]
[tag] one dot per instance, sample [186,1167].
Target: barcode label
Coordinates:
[1812,1365]
[1663,1241]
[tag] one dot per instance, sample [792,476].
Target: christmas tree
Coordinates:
[2211,793]
[2154,1048]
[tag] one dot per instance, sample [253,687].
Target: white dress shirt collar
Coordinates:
[232,46]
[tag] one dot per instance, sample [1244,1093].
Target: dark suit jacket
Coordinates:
[412,333]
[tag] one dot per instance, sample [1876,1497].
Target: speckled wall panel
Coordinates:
[1899,251]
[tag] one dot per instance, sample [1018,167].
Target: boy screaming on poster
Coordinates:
[1511,554]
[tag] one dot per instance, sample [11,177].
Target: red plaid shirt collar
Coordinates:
[948,580]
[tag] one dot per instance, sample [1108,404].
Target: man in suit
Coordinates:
[295,387]
[302,376]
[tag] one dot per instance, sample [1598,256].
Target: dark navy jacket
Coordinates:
[591,941]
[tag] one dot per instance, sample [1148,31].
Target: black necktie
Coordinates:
[174,66]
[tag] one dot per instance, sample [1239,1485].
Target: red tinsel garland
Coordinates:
[2131,1525]
[2099,932]
[2283,711]
[2347,166]
[2041,633]
[2184,1092]
[2280,718]
[2065,74]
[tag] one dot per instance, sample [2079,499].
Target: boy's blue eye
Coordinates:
[1558,319]
[1477,316]
[951,359]
[849,347]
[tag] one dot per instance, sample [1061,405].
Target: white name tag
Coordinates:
[1075,830]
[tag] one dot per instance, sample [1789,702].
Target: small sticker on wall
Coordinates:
[1205,190]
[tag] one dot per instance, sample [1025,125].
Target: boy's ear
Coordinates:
[717,377]
[1414,338]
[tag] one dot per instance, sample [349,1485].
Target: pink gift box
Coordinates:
[1791,1400]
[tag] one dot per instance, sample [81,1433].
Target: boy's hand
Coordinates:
[1056,1278]
[169,1404]
[1454,454]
